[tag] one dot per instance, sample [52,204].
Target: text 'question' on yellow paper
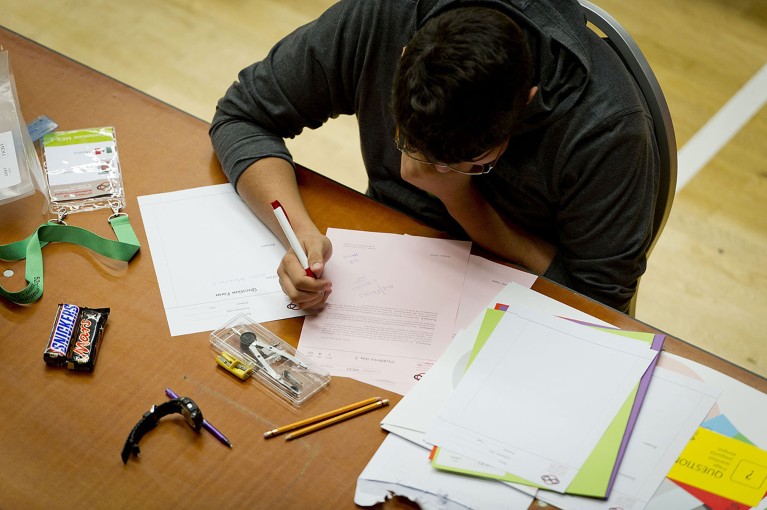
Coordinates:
[723,466]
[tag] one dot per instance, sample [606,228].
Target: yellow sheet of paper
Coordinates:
[723,466]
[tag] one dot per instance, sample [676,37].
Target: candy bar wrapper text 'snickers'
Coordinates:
[55,353]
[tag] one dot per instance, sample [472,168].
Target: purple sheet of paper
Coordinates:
[644,383]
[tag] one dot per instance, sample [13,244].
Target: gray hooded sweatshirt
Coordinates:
[581,172]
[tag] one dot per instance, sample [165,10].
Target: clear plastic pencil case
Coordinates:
[246,348]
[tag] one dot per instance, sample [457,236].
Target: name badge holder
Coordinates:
[82,173]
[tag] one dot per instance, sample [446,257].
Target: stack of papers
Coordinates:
[395,304]
[400,467]
[538,398]
[522,397]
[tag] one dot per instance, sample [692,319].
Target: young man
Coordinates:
[507,121]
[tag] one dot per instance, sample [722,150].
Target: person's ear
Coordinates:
[533,92]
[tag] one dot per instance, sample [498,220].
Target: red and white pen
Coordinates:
[282,218]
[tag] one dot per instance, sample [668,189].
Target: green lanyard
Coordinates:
[124,249]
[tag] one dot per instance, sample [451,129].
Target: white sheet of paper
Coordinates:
[485,280]
[515,294]
[392,310]
[670,495]
[213,259]
[403,468]
[419,408]
[539,396]
[673,409]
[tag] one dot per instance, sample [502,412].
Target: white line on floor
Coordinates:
[720,128]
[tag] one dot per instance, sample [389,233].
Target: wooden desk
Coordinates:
[61,433]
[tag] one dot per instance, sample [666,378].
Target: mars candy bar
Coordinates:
[86,339]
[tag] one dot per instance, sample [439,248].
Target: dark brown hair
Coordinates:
[461,84]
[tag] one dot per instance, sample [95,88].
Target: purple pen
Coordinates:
[205,423]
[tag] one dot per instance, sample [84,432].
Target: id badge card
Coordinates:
[82,170]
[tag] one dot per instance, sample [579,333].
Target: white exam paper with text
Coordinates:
[392,310]
[214,259]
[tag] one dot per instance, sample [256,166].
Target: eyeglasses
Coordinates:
[474,169]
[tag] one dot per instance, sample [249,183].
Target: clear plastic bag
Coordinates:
[20,171]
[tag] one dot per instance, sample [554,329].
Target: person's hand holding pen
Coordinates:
[270,179]
[300,270]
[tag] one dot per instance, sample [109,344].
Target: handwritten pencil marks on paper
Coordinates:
[394,297]
[369,287]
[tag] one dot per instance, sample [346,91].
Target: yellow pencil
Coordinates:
[336,419]
[320,417]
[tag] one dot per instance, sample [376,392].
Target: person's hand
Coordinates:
[304,291]
[440,182]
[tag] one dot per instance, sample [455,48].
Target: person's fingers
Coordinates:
[318,251]
[304,291]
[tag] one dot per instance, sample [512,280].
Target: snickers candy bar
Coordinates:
[55,353]
[86,339]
